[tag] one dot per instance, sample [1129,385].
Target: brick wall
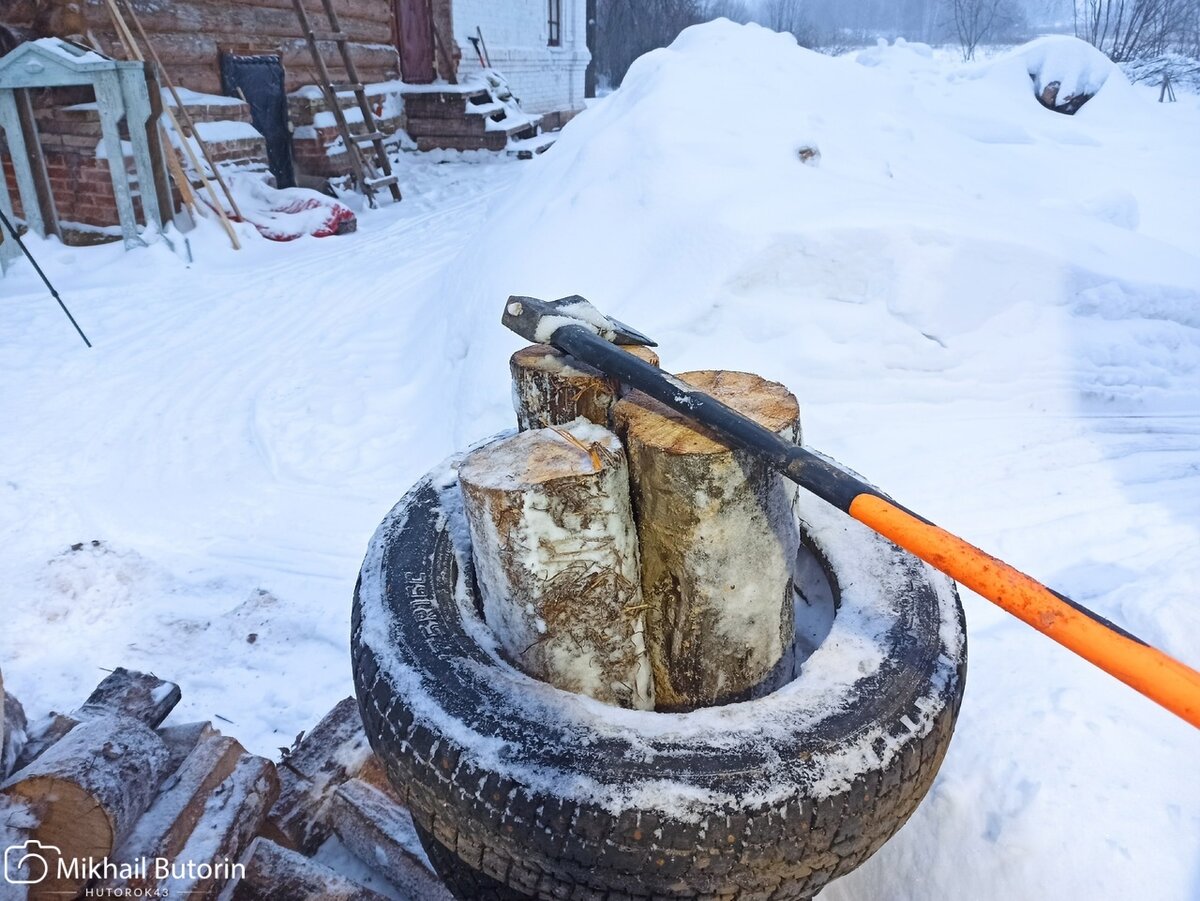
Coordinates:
[80,180]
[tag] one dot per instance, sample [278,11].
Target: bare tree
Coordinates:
[974,21]
[1130,29]
[790,17]
[734,10]
[625,29]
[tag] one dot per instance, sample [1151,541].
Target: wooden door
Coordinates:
[414,40]
[259,81]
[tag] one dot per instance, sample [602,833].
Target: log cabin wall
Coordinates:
[189,35]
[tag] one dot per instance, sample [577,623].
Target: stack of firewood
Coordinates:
[108,801]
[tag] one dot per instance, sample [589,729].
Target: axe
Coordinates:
[577,328]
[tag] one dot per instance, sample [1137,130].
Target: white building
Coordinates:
[540,46]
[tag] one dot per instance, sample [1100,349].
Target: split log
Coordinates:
[274,873]
[182,740]
[13,732]
[164,829]
[376,828]
[557,562]
[42,735]
[718,540]
[552,388]
[334,751]
[86,792]
[122,692]
[224,817]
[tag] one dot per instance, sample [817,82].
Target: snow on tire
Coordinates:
[522,790]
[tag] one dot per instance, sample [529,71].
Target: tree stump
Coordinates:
[86,792]
[551,388]
[718,540]
[556,559]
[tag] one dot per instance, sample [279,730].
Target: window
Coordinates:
[555,23]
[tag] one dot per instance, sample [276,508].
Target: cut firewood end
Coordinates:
[205,816]
[556,559]
[551,388]
[718,540]
[86,792]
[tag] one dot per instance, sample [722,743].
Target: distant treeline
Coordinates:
[1123,29]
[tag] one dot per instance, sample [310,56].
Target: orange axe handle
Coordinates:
[1162,679]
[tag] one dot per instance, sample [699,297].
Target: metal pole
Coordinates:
[12,231]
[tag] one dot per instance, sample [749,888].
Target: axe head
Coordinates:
[537,320]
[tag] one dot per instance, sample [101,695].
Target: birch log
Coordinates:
[556,559]
[86,792]
[551,388]
[333,751]
[718,540]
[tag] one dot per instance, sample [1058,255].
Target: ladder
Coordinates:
[369,174]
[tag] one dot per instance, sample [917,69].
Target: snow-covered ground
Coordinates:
[990,309]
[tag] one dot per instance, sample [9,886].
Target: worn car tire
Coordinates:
[520,790]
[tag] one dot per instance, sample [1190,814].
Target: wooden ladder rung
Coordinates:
[383,181]
[337,37]
[343,88]
[369,136]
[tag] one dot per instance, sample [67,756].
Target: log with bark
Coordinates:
[86,792]
[334,751]
[375,826]
[140,696]
[718,540]
[205,816]
[275,873]
[551,388]
[556,559]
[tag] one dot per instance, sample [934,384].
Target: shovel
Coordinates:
[575,327]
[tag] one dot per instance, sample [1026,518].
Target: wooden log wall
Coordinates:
[189,35]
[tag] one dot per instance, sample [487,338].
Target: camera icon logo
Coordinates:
[27,864]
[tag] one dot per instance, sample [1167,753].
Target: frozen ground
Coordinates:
[991,310]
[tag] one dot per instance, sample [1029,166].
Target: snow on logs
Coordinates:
[556,559]
[718,541]
[551,388]
[87,791]
[274,873]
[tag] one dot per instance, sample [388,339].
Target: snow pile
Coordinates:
[1077,68]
